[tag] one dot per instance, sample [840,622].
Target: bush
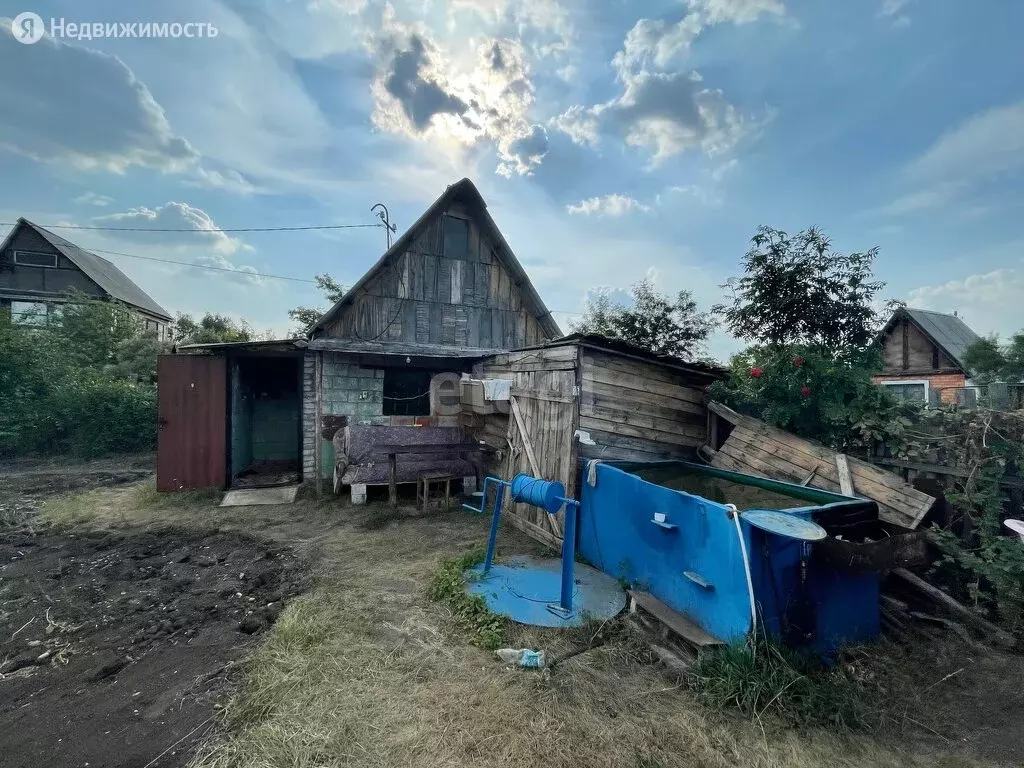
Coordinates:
[485,628]
[814,395]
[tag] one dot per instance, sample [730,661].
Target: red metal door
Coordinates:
[192,442]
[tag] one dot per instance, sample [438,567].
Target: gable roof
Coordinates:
[101,271]
[948,332]
[465,191]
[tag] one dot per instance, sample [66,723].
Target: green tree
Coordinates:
[305,317]
[798,290]
[653,321]
[808,314]
[211,328]
[989,361]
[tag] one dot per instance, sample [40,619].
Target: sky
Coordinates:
[612,140]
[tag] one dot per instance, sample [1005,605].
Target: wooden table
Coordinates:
[452,450]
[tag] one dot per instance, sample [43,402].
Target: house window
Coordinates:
[908,391]
[456,237]
[406,393]
[33,259]
[28,313]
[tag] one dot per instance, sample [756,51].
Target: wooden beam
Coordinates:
[845,481]
[527,443]
[990,630]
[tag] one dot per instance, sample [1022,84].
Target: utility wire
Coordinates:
[206,266]
[213,229]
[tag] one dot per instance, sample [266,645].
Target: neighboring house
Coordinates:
[39,271]
[923,355]
[447,294]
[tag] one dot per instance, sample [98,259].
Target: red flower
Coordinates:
[756,372]
[805,391]
[798,361]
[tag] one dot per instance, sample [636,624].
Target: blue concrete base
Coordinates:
[524,587]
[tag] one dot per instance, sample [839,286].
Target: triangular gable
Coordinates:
[949,333]
[102,272]
[425,236]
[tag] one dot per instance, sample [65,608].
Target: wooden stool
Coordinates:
[423,488]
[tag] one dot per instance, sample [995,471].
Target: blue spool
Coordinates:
[549,495]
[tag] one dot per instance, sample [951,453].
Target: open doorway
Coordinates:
[266,404]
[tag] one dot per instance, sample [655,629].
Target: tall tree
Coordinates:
[653,321]
[798,290]
[305,317]
[989,361]
[211,328]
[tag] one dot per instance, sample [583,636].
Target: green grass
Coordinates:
[64,512]
[770,679]
[485,628]
[119,505]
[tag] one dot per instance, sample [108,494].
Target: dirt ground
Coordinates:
[363,670]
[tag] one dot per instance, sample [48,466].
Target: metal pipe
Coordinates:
[495,518]
[572,511]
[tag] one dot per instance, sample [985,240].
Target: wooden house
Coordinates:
[447,294]
[923,355]
[40,271]
[588,397]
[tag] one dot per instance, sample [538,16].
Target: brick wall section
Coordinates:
[945,383]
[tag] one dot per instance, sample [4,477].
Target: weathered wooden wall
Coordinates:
[430,294]
[906,348]
[632,410]
[639,411]
[539,440]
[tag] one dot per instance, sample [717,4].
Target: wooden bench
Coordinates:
[423,488]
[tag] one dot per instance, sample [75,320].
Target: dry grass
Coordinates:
[365,670]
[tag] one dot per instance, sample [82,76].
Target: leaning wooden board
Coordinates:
[755,448]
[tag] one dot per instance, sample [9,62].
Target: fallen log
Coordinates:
[991,632]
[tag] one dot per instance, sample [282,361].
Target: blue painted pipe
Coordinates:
[549,495]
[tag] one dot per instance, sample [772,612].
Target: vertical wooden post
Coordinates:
[318,451]
[393,479]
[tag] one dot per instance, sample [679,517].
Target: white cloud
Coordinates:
[987,302]
[984,146]
[173,216]
[93,198]
[979,152]
[657,42]
[421,92]
[607,205]
[668,112]
[78,106]
[892,8]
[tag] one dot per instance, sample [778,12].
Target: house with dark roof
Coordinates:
[448,293]
[39,271]
[923,355]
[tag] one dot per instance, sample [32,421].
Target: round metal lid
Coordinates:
[784,524]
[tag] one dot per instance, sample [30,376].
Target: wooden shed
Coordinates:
[587,396]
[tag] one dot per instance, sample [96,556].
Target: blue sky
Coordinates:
[612,140]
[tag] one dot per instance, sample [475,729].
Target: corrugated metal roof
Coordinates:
[948,331]
[112,280]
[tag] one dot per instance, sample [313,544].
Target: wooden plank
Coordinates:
[680,434]
[422,323]
[444,281]
[429,278]
[621,412]
[602,375]
[532,530]
[392,484]
[878,484]
[562,352]
[990,630]
[461,326]
[523,367]
[678,623]
[527,443]
[455,270]
[649,446]
[537,394]
[845,481]
[637,368]
[448,324]
[607,394]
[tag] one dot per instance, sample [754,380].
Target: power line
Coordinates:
[206,266]
[208,229]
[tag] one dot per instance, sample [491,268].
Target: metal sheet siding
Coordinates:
[192,442]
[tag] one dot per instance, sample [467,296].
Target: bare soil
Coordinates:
[114,645]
